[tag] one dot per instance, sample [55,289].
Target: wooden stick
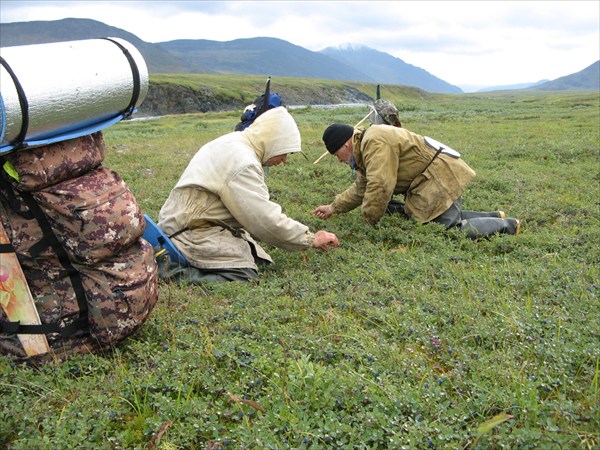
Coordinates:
[321,157]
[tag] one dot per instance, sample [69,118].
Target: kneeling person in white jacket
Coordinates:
[221,204]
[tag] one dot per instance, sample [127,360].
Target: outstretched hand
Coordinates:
[325,240]
[323,211]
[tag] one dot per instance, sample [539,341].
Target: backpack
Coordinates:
[76,230]
[384,112]
[262,103]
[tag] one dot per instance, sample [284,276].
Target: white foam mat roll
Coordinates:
[53,92]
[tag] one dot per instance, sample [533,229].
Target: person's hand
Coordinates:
[325,240]
[323,211]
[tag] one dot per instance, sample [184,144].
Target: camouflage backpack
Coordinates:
[384,112]
[76,229]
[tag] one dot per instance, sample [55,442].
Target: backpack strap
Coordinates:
[49,239]
[136,78]
[13,202]
[8,327]
[19,141]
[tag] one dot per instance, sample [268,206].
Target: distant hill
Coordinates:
[263,56]
[510,87]
[588,78]
[157,59]
[387,69]
[42,32]
[259,56]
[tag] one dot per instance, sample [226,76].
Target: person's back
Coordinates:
[197,193]
[395,161]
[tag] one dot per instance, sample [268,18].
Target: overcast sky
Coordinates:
[469,44]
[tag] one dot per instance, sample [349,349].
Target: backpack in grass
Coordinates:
[76,230]
[384,112]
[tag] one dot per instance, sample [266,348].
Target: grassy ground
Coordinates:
[405,337]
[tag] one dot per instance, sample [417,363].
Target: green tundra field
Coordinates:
[406,336]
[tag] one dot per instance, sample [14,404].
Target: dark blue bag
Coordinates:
[263,103]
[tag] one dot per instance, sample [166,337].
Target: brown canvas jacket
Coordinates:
[393,161]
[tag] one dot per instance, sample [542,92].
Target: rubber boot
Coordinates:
[467,215]
[488,226]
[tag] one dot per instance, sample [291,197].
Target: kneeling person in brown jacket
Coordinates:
[431,177]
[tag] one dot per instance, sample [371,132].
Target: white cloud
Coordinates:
[464,43]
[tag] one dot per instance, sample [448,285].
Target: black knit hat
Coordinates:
[336,135]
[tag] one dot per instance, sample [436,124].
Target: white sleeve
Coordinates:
[246,196]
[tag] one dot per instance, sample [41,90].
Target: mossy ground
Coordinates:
[406,336]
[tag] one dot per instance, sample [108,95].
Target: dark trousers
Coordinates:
[169,270]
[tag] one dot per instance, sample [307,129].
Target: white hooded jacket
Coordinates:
[222,201]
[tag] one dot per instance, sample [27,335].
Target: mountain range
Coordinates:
[267,56]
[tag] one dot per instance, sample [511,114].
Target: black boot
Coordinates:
[395,206]
[488,226]
[467,215]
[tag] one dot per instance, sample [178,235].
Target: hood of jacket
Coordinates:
[273,133]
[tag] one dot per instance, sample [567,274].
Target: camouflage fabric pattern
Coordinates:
[10,345]
[121,292]
[41,167]
[50,287]
[387,113]
[99,222]
[49,284]
[94,215]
